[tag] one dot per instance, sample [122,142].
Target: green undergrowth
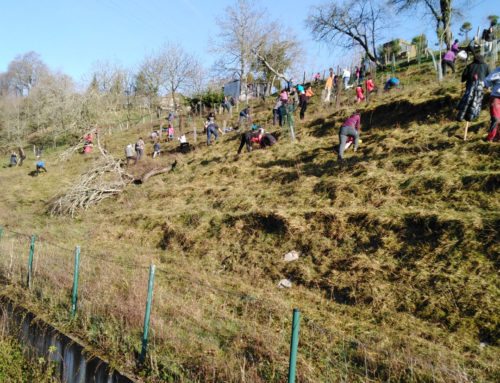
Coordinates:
[399,247]
[15,367]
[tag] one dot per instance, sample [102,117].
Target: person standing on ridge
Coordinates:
[350,128]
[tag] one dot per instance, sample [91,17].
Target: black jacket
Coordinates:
[488,36]
[478,68]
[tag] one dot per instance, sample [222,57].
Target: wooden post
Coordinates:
[466,129]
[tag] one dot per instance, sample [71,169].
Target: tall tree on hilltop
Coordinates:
[241,30]
[349,24]
[440,11]
[275,54]
[179,70]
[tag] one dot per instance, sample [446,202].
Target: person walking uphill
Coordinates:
[448,60]
[493,80]
[139,148]
[129,153]
[474,75]
[350,128]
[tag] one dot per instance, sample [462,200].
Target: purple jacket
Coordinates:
[354,120]
[454,47]
[449,56]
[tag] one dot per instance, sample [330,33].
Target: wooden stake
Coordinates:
[466,129]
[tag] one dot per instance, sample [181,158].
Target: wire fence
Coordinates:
[196,330]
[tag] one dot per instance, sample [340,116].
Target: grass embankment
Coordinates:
[399,248]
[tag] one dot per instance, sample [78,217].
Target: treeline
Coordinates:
[40,106]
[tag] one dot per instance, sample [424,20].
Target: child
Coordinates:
[156,148]
[359,93]
[170,132]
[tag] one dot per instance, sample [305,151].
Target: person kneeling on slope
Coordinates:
[247,138]
[350,128]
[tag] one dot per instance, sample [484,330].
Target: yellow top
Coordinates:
[329,82]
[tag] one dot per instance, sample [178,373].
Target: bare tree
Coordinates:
[349,24]
[24,71]
[276,53]
[241,30]
[440,11]
[179,69]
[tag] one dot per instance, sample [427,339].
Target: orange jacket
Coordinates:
[309,92]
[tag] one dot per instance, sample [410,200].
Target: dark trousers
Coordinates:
[245,140]
[303,107]
[446,63]
[21,160]
[368,93]
[38,167]
[276,116]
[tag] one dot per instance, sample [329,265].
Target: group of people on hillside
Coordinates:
[14,161]
[477,77]
[13,158]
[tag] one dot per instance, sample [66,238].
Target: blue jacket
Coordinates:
[493,80]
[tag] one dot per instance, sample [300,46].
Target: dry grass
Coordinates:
[399,248]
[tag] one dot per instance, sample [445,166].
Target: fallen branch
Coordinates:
[154,172]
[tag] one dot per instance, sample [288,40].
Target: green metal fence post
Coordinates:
[30,262]
[290,124]
[0,233]
[294,345]
[75,282]
[147,315]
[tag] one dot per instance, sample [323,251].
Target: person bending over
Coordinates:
[350,128]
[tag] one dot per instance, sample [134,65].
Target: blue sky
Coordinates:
[70,35]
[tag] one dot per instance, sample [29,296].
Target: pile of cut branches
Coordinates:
[102,181]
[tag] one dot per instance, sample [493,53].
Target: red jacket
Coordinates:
[369,85]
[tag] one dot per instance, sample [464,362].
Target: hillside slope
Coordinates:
[399,248]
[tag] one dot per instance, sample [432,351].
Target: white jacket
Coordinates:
[493,80]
